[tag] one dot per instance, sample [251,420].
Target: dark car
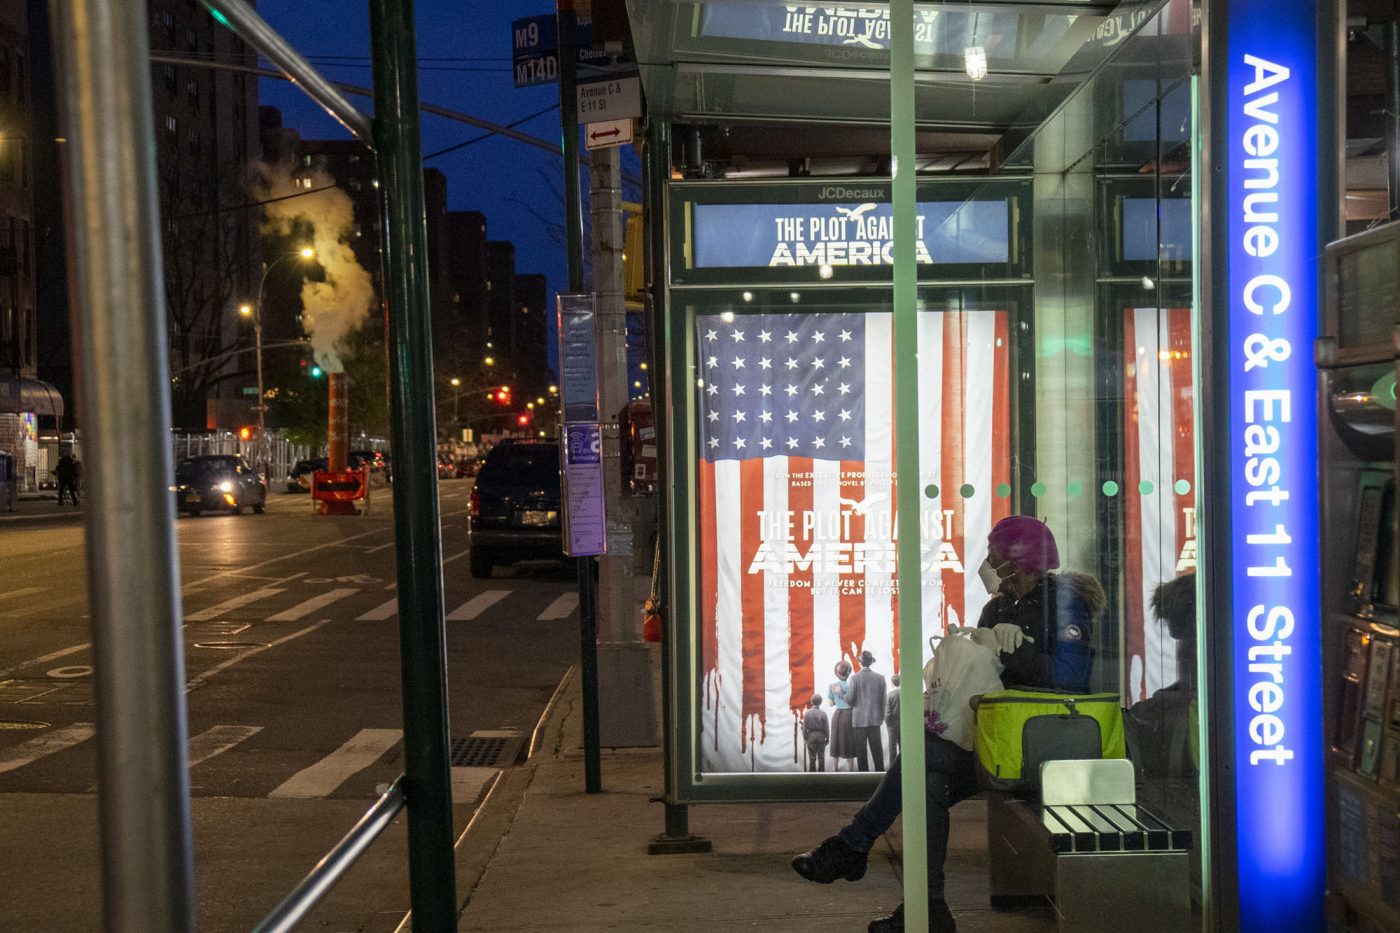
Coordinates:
[515,506]
[468,466]
[299,479]
[226,483]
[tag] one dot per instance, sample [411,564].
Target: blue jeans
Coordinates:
[949,778]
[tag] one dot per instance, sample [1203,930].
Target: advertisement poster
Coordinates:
[796,510]
[1160,450]
[851,233]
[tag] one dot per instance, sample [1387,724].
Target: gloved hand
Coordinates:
[984,637]
[1009,637]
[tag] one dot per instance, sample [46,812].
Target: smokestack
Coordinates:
[338,430]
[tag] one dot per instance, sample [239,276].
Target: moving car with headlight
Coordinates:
[218,482]
[514,512]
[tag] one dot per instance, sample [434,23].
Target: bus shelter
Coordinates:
[1072,359]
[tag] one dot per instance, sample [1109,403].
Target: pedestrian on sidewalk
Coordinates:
[67,475]
[1040,623]
[815,732]
[867,699]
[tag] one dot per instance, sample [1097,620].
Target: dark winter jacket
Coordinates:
[1059,614]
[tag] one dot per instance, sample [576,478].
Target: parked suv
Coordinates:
[515,506]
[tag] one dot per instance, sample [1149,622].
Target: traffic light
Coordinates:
[245,433]
[315,371]
[523,419]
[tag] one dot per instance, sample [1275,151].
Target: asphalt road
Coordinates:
[292,677]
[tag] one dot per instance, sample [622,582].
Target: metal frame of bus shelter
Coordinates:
[133,564]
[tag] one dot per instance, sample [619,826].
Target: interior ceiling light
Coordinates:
[975,61]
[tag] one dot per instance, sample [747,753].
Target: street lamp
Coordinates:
[456,384]
[255,312]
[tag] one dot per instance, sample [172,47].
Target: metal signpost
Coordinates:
[573,217]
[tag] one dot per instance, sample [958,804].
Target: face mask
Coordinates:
[989,576]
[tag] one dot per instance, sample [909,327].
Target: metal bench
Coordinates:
[1106,863]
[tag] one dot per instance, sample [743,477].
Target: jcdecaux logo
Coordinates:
[1273,281]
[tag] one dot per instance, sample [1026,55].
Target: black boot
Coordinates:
[833,859]
[940,920]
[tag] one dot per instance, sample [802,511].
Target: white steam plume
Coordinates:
[333,309]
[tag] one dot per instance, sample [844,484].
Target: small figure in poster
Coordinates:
[815,732]
[843,738]
[1041,624]
[892,717]
[867,699]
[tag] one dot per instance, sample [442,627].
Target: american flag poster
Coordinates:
[795,510]
[1159,448]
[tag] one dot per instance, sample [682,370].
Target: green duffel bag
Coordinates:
[1017,730]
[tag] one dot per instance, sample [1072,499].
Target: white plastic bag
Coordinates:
[959,670]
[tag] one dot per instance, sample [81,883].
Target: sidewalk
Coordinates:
[569,861]
[39,505]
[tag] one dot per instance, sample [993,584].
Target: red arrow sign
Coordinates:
[612,132]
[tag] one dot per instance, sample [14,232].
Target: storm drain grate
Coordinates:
[486,750]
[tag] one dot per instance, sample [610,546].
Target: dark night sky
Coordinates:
[490,176]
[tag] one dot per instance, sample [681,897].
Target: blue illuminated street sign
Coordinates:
[1271,159]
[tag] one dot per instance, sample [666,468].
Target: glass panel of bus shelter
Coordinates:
[795,507]
[1115,451]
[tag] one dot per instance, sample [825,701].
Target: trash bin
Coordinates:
[9,485]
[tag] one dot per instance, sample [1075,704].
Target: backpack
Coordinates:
[1018,730]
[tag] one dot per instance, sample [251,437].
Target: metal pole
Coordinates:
[573,225]
[133,567]
[904,194]
[239,16]
[1391,33]
[427,782]
[262,404]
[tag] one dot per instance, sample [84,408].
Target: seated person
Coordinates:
[1041,623]
[1159,727]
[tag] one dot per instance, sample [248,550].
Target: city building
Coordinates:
[466,273]
[206,134]
[530,349]
[27,404]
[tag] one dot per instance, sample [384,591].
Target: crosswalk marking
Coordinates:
[22,591]
[322,778]
[476,605]
[217,740]
[228,605]
[560,608]
[303,609]
[46,744]
[386,610]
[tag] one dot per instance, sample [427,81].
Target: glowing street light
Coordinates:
[254,311]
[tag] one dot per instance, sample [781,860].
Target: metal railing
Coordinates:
[286,915]
[114,227]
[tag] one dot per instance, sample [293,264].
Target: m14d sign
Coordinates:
[1271,206]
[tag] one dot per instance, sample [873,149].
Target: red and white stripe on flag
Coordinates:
[1159,448]
[770,638]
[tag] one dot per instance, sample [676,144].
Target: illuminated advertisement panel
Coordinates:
[1159,453]
[1271,159]
[847,233]
[795,518]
